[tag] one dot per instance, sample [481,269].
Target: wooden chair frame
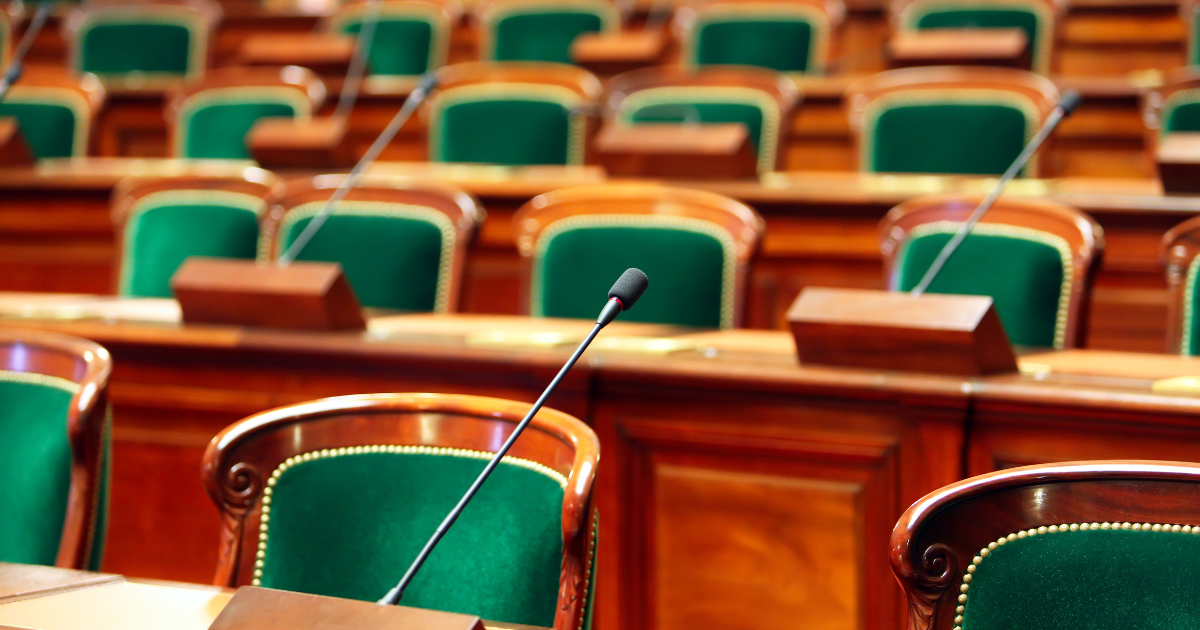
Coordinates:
[1180,247]
[1174,82]
[242,457]
[308,88]
[1034,88]
[832,11]
[1083,236]
[88,365]
[463,211]
[742,223]
[86,88]
[936,539]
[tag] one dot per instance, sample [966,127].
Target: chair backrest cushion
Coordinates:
[507,123]
[703,104]
[35,465]
[165,228]
[692,261]
[126,43]
[543,32]
[1181,112]
[213,124]
[789,38]
[406,43]
[347,523]
[977,132]
[1033,18]
[1026,272]
[394,255]
[54,122]
[1190,335]
[1091,575]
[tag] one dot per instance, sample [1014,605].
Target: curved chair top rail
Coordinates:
[740,220]
[685,16]
[452,10]
[897,7]
[207,10]
[300,79]
[1040,90]
[781,89]
[254,181]
[937,537]
[86,85]
[574,78]
[70,358]
[1179,247]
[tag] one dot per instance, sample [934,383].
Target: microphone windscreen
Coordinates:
[1070,100]
[629,287]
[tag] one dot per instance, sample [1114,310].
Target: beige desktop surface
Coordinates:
[120,606]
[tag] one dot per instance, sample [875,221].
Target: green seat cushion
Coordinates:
[784,44]
[400,47]
[394,256]
[1098,579]
[35,465]
[1023,271]
[1181,112]
[148,47]
[513,131]
[541,36]
[984,17]
[692,270]
[49,128]
[218,130]
[683,110]
[944,137]
[167,228]
[349,525]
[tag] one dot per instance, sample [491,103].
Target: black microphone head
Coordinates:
[1070,100]
[629,287]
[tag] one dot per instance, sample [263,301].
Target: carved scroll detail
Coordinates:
[243,486]
[933,575]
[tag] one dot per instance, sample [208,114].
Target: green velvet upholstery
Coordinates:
[1181,112]
[1026,273]
[1098,579]
[130,44]
[978,134]
[692,263]
[166,228]
[35,465]
[975,16]
[347,525]
[791,39]
[100,529]
[1190,338]
[214,124]
[53,122]
[511,124]
[394,255]
[402,45]
[752,108]
[541,34]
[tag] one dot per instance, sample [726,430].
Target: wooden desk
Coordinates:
[737,486]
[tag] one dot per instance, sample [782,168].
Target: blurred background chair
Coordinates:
[540,30]
[791,36]
[411,38]
[1037,19]
[55,110]
[1180,253]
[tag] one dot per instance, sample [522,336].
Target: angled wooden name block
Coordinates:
[277,142]
[942,334]
[301,296]
[1178,160]
[255,608]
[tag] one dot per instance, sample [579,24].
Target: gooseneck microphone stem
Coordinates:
[358,64]
[1067,105]
[13,73]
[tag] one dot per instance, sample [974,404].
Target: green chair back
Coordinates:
[165,228]
[1027,273]
[1190,335]
[409,40]
[55,122]
[395,255]
[213,123]
[507,123]
[789,38]
[336,529]
[132,43]
[693,263]
[755,109]
[1034,18]
[978,132]
[1180,112]
[544,31]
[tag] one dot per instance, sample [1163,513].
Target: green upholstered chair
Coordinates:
[337,496]
[54,449]
[161,222]
[402,245]
[55,111]
[1036,18]
[1180,253]
[1071,545]
[411,37]
[213,116]
[540,30]
[948,119]
[142,45]
[510,113]
[1036,260]
[786,36]
[761,100]
[1173,107]
[695,245]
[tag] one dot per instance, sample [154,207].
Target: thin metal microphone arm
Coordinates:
[1051,122]
[13,73]
[358,65]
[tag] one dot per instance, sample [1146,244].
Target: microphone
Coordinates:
[1067,104]
[13,73]
[623,295]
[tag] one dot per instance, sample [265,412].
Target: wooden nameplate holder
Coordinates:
[1178,158]
[959,47]
[322,53]
[887,330]
[676,151]
[301,296]
[255,608]
[614,53]
[288,143]
[14,151]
